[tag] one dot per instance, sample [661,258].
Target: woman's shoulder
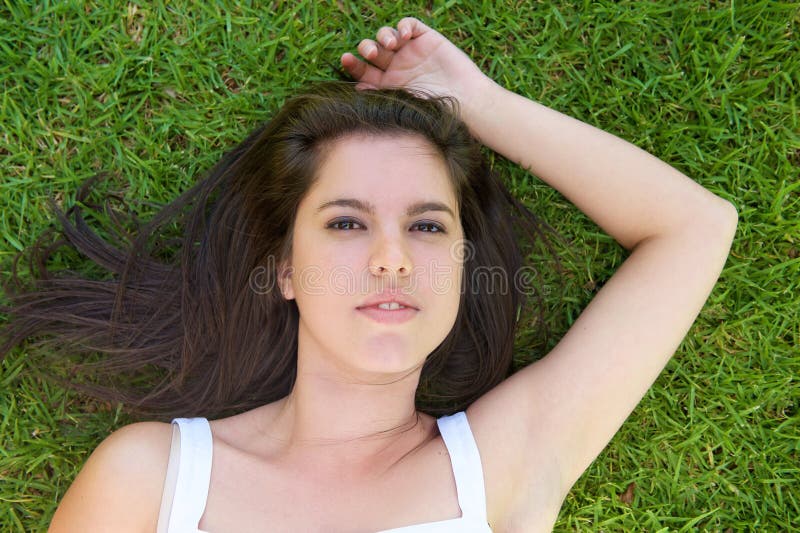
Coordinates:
[119,488]
[148,441]
[138,451]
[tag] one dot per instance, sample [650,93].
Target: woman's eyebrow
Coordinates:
[413,209]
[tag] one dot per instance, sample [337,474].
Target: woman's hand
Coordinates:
[415,56]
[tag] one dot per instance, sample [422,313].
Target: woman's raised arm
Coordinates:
[679,235]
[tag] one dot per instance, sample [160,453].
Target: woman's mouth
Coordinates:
[391,313]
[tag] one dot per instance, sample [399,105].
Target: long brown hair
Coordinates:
[186,333]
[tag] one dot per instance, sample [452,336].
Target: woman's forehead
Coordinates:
[384,168]
[381,150]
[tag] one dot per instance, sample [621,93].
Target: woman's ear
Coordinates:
[285,272]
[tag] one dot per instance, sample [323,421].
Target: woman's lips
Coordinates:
[386,316]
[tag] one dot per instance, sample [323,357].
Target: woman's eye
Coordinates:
[433,228]
[348,223]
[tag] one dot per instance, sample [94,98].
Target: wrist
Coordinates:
[478,100]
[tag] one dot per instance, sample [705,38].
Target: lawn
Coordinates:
[153,93]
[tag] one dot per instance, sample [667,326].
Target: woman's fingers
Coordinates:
[410,27]
[389,40]
[379,53]
[407,29]
[388,37]
[366,74]
[375,53]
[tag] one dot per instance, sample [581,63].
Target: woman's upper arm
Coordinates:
[593,379]
[119,488]
[560,412]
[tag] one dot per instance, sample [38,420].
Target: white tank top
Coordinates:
[189,474]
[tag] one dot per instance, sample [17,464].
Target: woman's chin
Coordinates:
[390,361]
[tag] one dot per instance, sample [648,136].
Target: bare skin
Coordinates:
[537,431]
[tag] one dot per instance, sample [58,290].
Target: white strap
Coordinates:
[168,493]
[194,474]
[466,463]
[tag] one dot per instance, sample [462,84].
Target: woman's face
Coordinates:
[357,235]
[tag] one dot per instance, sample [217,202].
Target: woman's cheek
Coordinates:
[442,276]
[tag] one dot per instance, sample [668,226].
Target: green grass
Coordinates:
[154,93]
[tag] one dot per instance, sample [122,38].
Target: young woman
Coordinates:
[349,199]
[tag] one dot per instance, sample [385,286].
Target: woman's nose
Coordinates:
[390,257]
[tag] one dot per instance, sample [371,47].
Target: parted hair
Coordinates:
[177,328]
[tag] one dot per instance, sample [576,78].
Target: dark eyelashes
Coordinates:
[335,223]
[439,229]
[351,222]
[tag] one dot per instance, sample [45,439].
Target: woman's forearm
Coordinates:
[629,193]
